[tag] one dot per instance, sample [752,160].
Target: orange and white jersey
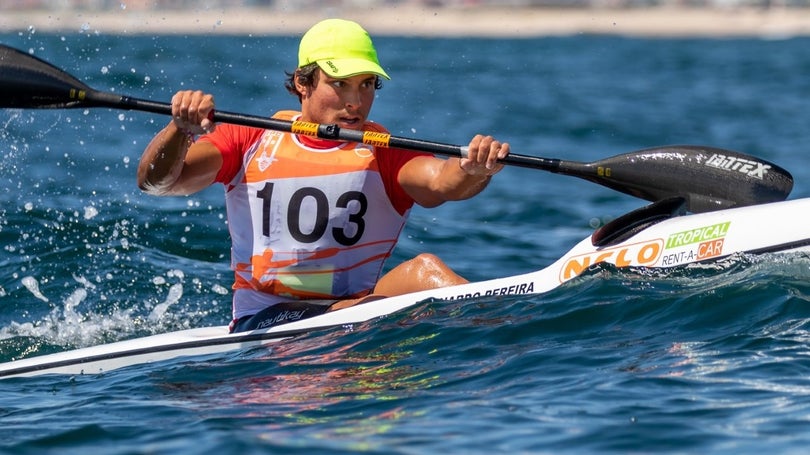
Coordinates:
[308,222]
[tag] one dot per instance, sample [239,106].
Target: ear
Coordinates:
[301,88]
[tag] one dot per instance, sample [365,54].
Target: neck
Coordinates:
[318,143]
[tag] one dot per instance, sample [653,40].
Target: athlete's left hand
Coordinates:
[483,154]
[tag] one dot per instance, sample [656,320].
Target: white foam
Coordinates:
[32,285]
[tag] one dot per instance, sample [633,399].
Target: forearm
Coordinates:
[162,162]
[456,184]
[432,181]
[464,178]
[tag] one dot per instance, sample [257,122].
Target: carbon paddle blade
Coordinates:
[29,82]
[708,178]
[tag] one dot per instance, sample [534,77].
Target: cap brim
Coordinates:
[348,67]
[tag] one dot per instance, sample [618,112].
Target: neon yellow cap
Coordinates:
[341,48]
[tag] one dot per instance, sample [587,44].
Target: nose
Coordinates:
[352,99]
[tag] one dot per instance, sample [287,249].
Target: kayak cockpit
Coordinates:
[636,221]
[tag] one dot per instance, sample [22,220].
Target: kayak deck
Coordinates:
[655,236]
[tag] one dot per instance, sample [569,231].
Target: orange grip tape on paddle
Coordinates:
[376,139]
[305,128]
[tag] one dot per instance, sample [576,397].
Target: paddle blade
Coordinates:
[708,178]
[29,82]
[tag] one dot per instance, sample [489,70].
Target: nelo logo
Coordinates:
[638,254]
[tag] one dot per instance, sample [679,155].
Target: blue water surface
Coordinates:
[710,359]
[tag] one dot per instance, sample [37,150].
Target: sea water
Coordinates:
[709,358]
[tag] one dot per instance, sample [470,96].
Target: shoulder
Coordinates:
[241,133]
[228,136]
[286,114]
[376,127]
[392,158]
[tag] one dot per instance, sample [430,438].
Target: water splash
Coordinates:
[65,325]
[159,312]
[32,284]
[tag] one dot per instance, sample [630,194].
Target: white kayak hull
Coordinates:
[674,241]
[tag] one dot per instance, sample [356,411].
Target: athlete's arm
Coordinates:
[431,181]
[171,163]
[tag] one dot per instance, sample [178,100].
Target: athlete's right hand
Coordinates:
[191,110]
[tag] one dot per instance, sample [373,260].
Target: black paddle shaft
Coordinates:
[708,178]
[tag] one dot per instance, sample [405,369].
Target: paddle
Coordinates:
[708,178]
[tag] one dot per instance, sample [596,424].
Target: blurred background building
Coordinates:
[303,4]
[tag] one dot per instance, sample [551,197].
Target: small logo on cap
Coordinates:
[332,65]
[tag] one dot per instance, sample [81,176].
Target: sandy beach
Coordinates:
[422,21]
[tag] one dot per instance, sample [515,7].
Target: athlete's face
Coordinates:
[345,102]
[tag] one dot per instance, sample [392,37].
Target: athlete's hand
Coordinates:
[483,154]
[190,111]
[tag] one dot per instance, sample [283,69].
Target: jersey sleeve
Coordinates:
[232,141]
[391,161]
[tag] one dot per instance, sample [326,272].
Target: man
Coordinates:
[312,220]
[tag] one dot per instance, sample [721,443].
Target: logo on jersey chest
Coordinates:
[270,142]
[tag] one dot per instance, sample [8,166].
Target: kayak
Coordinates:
[735,203]
[661,235]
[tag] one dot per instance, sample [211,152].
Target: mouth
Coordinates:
[350,122]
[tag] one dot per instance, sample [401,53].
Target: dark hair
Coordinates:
[308,76]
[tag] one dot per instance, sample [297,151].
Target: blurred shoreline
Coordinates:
[425,21]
